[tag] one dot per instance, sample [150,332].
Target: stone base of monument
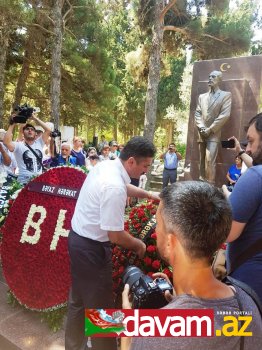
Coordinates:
[22,330]
[156,182]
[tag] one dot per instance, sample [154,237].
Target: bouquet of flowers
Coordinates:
[140,224]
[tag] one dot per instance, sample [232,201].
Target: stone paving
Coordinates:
[22,330]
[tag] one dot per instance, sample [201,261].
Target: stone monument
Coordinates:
[242,77]
[212,112]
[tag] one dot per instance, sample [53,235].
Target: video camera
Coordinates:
[147,293]
[55,133]
[22,113]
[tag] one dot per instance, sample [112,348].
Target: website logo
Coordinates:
[149,323]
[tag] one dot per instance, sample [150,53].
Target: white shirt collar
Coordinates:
[124,173]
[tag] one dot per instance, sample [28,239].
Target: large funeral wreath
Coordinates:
[34,246]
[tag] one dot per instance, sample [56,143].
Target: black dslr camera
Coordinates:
[22,113]
[147,293]
[56,133]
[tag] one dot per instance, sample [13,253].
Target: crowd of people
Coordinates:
[193,219]
[34,150]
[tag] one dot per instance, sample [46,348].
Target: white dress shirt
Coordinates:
[101,203]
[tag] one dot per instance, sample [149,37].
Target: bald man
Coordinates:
[212,112]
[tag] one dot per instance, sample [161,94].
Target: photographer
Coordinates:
[171,158]
[193,220]
[29,152]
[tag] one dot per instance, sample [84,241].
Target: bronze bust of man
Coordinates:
[212,112]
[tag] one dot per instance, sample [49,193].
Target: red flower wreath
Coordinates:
[35,261]
[139,218]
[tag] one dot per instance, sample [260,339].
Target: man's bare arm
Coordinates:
[5,155]
[8,139]
[125,240]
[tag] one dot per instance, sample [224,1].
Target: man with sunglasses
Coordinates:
[29,152]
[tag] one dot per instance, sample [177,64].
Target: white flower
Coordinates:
[36,225]
[59,230]
[16,193]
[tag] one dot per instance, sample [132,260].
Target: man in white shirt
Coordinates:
[29,161]
[98,221]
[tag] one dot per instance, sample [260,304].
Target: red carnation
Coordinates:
[140,214]
[167,272]
[121,270]
[147,261]
[154,235]
[150,274]
[156,264]
[151,249]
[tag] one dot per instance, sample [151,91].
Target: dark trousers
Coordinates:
[91,272]
[169,175]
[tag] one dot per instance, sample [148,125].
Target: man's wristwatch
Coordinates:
[240,153]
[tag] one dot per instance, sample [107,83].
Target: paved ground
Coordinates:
[22,330]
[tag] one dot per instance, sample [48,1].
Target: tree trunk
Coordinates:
[4,41]
[115,128]
[28,55]
[154,74]
[56,61]
[25,70]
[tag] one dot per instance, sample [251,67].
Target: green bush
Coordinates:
[181,148]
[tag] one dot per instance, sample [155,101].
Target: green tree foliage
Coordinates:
[87,86]
[105,55]
[210,28]
[124,50]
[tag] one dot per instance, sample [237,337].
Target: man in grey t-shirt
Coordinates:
[193,220]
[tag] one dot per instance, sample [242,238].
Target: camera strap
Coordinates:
[36,155]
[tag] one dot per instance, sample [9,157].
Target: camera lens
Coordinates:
[131,275]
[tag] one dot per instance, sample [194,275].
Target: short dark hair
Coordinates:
[199,213]
[27,125]
[138,147]
[257,120]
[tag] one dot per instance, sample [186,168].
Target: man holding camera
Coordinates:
[171,158]
[29,152]
[193,220]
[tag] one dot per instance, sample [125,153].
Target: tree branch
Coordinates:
[42,28]
[176,29]
[215,38]
[68,11]
[184,32]
[167,8]
[49,18]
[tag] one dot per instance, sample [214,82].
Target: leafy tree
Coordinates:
[10,14]
[209,27]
